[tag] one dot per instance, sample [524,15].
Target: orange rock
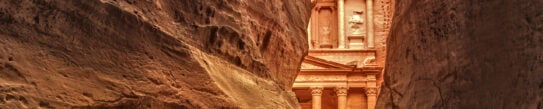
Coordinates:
[150,54]
[464,54]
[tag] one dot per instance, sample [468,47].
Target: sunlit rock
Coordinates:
[151,53]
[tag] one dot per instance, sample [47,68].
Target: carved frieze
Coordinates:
[318,78]
[357,78]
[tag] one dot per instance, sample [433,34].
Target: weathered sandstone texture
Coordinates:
[465,54]
[150,53]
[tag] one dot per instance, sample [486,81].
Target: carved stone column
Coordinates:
[369,13]
[315,28]
[309,34]
[342,97]
[316,92]
[371,93]
[341,23]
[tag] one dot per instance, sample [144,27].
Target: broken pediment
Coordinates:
[311,62]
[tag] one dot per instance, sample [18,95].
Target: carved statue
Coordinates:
[370,60]
[325,38]
[356,23]
[314,43]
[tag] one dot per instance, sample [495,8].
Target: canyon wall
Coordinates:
[151,53]
[464,54]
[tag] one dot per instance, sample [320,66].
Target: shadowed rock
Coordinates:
[464,54]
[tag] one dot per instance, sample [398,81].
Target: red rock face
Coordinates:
[150,54]
[464,54]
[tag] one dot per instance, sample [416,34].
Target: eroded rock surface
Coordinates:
[465,54]
[150,53]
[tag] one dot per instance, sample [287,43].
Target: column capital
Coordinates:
[316,91]
[342,90]
[371,91]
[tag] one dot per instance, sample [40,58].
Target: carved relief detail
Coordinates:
[356,23]
[371,91]
[325,40]
[324,31]
[370,60]
[342,90]
[321,78]
[316,91]
[386,5]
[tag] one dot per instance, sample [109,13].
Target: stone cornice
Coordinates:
[326,64]
[342,50]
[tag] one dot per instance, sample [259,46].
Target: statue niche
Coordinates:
[356,22]
[326,37]
[357,37]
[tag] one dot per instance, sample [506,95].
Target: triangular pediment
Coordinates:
[311,62]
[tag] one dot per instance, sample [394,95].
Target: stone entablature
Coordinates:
[325,74]
[356,77]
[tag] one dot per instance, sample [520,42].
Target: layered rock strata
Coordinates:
[150,53]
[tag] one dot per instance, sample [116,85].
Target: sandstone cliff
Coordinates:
[150,53]
[465,54]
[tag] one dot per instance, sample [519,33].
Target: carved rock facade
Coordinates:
[346,55]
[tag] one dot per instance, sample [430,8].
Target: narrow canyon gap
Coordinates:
[464,54]
[177,54]
[346,57]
